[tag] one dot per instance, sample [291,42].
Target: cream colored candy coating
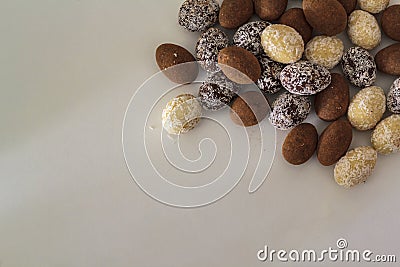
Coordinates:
[363,30]
[356,166]
[373,6]
[282,43]
[386,136]
[366,108]
[325,51]
[181,114]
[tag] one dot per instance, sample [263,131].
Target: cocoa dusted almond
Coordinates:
[177,63]
[300,144]
[349,5]
[249,109]
[295,18]
[270,9]
[332,103]
[239,65]
[388,59]
[326,16]
[334,142]
[391,22]
[235,13]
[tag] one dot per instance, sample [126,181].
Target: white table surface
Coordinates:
[67,72]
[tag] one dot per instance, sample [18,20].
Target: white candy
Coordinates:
[364,30]
[325,50]
[366,108]
[282,43]
[386,136]
[181,114]
[356,166]
[373,6]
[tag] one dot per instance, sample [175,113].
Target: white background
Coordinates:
[67,72]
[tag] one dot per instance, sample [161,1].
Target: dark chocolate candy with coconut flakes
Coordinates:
[198,15]
[393,97]
[269,82]
[217,91]
[305,78]
[208,46]
[359,67]
[248,36]
[289,110]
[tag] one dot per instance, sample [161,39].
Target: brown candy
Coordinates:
[332,103]
[170,59]
[235,13]
[300,144]
[391,22]
[295,18]
[270,9]
[249,109]
[334,142]
[325,16]
[239,65]
[349,5]
[388,59]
